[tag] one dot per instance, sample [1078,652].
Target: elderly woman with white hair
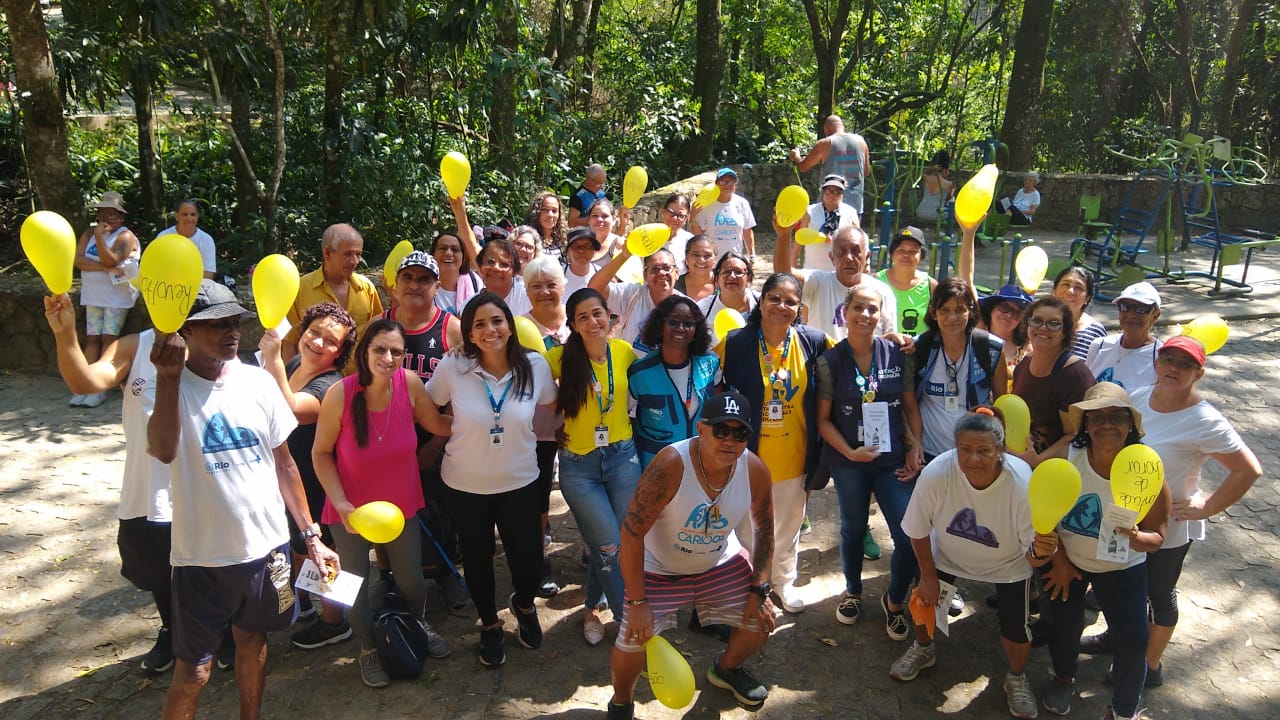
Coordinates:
[1022,208]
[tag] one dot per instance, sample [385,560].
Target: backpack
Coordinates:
[399,639]
[928,341]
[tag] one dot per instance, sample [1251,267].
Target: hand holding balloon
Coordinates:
[378,522]
[60,313]
[275,287]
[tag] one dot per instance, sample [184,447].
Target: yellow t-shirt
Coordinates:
[363,301]
[581,428]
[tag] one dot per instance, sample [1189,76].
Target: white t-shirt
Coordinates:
[818,257]
[144,490]
[1023,200]
[1128,368]
[1184,440]
[824,296]
[1079,530]
[977,534]
[203,241]
[940,423]
[472,463]
[725,222]
[632,303]
[574,283]
[105,288]
[677,247]
[227,507]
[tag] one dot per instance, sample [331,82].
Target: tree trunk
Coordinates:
[708,72]
[575,35]
[502,116]
[246,182]
[1026,83]
[44,127]
[272,189]
[826,52]
[1224,116]
[335,80]
[149,179]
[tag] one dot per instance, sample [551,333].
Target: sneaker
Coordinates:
[957,605]
[895,621]
[454,595]
[744,686]
[1155,678]
[371,671]
[622,712]
[916,658]
[870,548]
[547,587]
[491,642]
[160,657]
[306,607]
[848,610]
[1098,644]
[1057,697]
[789,598]
[437,646]
[530,632]
[1110,714]
[227,652]
[94,400]
[1018,693]
[805,527]
[76,400]
[320,633]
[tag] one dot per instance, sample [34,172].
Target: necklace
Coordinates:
[386,425]
[706,478]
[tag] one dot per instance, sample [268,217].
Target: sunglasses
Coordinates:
[675,324]
[724,430]
[1135,308]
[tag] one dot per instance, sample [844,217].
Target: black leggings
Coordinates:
[517,516]
[1011,608]
[546,450]
[1164,567]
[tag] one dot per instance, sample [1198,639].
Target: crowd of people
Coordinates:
[686,457]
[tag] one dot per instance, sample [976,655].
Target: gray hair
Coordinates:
[1035,177]
[543,265]
[595,170]
[981,423]
[338,233]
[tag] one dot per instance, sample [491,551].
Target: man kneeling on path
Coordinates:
[678,547]
[221,428]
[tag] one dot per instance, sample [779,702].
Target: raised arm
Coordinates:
[600,281]
[965,261]
[112,367]
[466,236]
[815,156]
[782,259]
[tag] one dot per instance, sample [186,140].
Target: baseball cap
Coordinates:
[910,232]
[1188,345]
[417,258]
[579,233]
[111,199]
[214,302]
[833,181]
[726,171]
[1143,292]
[722,407]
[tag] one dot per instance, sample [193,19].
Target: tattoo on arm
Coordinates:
[762,548]
[657,486]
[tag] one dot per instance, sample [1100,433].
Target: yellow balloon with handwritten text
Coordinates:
[1210,330]
[670,676]
[169,276]
[974,199]
[648,239]
[791,205]
[275,287]
[50,245]
[1137,474]
[634,185]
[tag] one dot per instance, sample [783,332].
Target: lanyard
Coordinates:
[688,390]
[496,405]
[867,384]
[953,370]
[778,377]
[595,383]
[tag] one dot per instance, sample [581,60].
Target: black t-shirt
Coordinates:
[304,436]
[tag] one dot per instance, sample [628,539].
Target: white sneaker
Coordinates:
[94,400]
[1020,696]
[791,600]
[77,400]
[915,659]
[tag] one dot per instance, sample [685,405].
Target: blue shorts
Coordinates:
[206,599]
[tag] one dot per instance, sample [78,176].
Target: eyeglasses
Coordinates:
[676,215]
[496,263]
[676,324]
[732,272]
[395,353]
[1050,325]
[523,246]
[1135,308]
[659,269]
[1117,418]
[723,431]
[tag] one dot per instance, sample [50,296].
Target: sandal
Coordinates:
[593,630]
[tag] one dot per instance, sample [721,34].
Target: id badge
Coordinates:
[602,436]
[951,403]
[278,570]
[495,437]
[773,411]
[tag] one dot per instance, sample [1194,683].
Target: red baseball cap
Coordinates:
[1186,344]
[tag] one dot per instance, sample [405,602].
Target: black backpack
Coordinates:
[399,638]
[928,341]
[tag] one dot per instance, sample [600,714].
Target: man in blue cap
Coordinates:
[728,220]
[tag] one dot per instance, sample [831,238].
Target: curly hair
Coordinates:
[651,336]
[561,229]
[339,316]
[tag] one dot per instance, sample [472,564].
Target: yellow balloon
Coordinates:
[1017,421]
[707,195]
[809,236]
[392,267]
[169,276]
[528,335]
[1054,489]
[791,205]
[1210,330]
[1031,265]
[378,522]
[50,245]
[455,170]
[670,676]
[648,239]
[275,287]
[727,320]
[1137,475]
[974,199]
[634,185]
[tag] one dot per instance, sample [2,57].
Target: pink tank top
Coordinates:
[386,468]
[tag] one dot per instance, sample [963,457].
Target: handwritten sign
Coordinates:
[1137,474]
[169,277]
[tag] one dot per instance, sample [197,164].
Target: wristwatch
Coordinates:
[311,531]
[763,590]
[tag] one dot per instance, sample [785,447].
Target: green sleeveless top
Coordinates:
[912,305]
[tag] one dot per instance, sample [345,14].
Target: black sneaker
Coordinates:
[306,608]
[492,653]
[227,652]
[160,657]
[896,624]
[1099,644]
[547,587]
[849,609]
[320,633]
[454,595]
[744,686]
[530,633]
[622,712]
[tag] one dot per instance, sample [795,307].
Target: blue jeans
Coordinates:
[1123,597]
[854,486]
[598,487]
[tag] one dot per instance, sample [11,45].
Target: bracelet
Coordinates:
[1032,550]
[641,601]
[311,531]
